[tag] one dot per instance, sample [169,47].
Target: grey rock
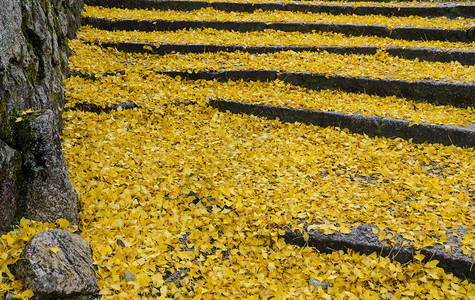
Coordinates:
[314,284]
[33,45]
[10,167]
[129,277]
[47,191]
[33,63]
[10,32]
[50,272]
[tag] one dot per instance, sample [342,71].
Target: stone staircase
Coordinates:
[353,133]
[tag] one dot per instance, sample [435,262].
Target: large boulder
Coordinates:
[46,191]
[10,167]
[55,264]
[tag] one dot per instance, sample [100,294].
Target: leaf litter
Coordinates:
[188,202]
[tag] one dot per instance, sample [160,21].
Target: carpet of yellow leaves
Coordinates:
[258,38]
[269,174]
[134,170]
[94,59]
[277,16]
[149,88]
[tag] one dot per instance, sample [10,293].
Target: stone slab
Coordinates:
[403,33]
[436,92]
[362,240]
[464,57]
[450,10]
[422,54]
[429,34]
[369,125]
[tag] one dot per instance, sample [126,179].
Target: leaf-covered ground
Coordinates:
[184,201]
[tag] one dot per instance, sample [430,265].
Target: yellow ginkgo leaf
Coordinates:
[27,293]
[63,223]
[54,250]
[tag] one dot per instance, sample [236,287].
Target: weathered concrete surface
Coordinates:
[56,264]
[369,125]
[362,240]
[403,33]
[422,54]
[47,193]
[33,63]
[450,10]
[10,170]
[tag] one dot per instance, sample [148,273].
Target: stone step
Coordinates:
[441,92]
[436,92]
[363,240]
[369,125]
[422,54]
[402,33]
[450,10]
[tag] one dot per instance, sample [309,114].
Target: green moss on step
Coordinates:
[379,131]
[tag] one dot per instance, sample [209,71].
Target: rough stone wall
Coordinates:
[33,63]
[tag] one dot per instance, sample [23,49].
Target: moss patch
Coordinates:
[20,123]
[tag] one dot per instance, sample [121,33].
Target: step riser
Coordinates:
[371,126]
[423,54]
[402,33]
[466,11]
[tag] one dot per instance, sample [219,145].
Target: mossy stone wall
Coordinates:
[34,54]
